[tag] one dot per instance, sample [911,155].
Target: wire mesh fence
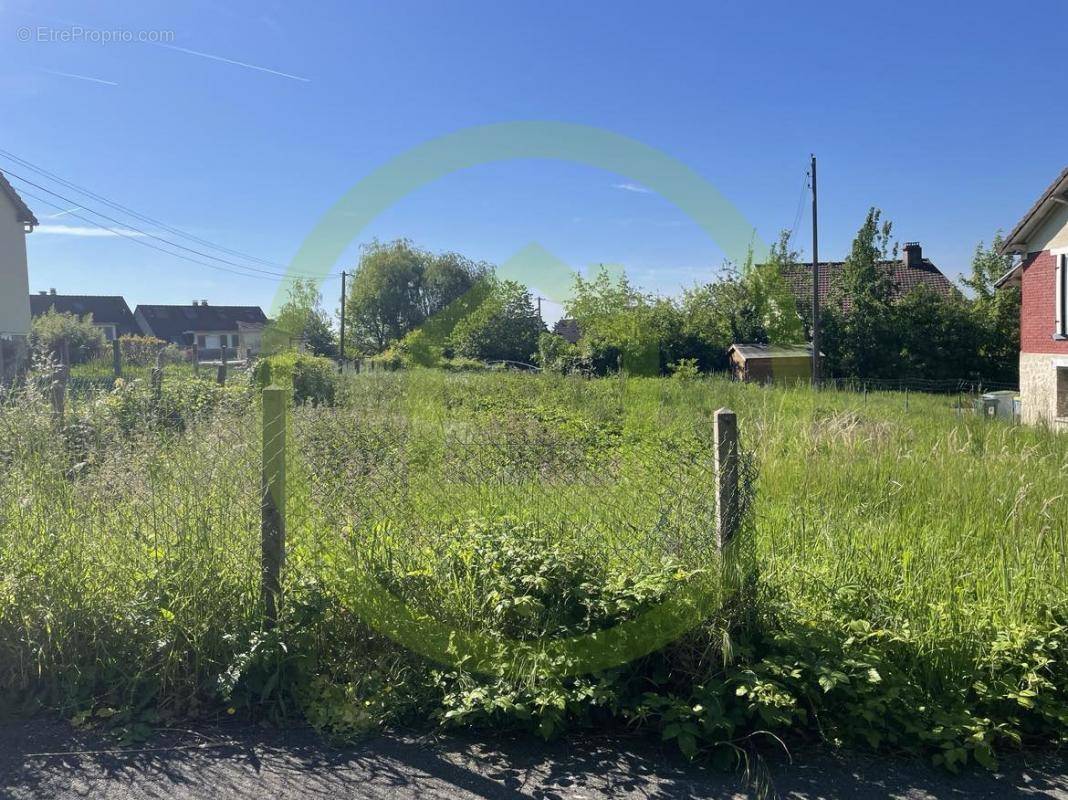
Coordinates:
[146,526]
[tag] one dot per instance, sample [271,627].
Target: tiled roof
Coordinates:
[748,351]
[106,309]
[171,323]
[25,216]
[1056,192]
[905,279]
[569,329]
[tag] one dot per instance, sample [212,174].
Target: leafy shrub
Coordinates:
[142,351]
[557,354]
[49,330]
[313,379]
[504,327]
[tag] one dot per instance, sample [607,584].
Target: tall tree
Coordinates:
[504,327]
[302,318]
[997,313]
[860,334]
[398,286]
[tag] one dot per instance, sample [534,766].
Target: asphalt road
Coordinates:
[51,760]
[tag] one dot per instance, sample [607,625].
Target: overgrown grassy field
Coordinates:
[903,585]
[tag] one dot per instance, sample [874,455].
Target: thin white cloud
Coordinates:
[76,76]
[83,230]
[631,187]
[232,61]
[66,211]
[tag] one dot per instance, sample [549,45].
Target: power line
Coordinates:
[138,230]
[151,246]
[136,214]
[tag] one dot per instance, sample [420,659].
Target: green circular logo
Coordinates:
[699,596]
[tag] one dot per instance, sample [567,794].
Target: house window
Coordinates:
[1062,392]
[1060,331]
[108,331]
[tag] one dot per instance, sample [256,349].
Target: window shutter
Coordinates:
[1059,282]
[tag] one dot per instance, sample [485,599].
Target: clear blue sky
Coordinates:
[951,121]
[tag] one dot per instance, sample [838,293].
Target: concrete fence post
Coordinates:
[727,469]
[156,381]
[116,357]
[59,394]
[220,376]
[273,502]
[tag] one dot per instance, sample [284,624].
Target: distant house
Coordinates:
[768,363]
[16,220]
[110,312]
[910,271]
[1041,239]
[209,328]
[568,329]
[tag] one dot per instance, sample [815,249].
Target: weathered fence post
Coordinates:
[727,509]
[220,376]
[156,381]
[3,362]
[116,357]
[196,359]
[273,502]
[59,393]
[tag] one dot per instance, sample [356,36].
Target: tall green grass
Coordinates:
[909,587]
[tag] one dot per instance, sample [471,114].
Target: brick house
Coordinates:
[1041,240]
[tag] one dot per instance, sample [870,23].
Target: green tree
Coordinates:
[504,327]
[865,277]
[301,317]
[49,330]
[621,326]
[398,286]
[446,277]
[860,333]
[384,302]
[996,312]
[753,304]
[937,336]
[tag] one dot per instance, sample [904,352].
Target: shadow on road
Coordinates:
[50,759]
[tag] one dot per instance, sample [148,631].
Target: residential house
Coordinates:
[110,313]
[16,220]
[767,363]
[569,329]
[1041,240]
[209,328]
[906,273]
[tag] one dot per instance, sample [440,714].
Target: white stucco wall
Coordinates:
[14,280]
[1051,234]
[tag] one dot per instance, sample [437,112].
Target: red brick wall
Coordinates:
[1037,313]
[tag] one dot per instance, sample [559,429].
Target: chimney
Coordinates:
[52,292]
[912,255]
[195,304]
[43,293]
[204,303]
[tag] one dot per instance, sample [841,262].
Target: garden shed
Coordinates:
[771,363]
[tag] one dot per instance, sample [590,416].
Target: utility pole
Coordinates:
[815,283]
[341,365]
[539,299]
